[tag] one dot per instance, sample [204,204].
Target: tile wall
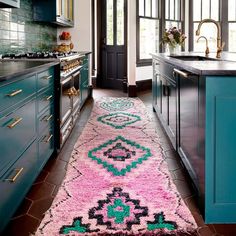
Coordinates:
[19,33]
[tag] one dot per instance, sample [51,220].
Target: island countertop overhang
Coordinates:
[226,66]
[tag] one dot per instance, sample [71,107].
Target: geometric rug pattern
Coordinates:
[119,120]
[117,181]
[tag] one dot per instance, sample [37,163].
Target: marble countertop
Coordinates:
[226,65]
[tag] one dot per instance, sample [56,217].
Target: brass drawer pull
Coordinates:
[15,122]
[48,98]
[48,118]
[47,77]
[14,93]
[18,172]
[48,139]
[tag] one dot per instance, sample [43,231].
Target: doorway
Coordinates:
[112,43]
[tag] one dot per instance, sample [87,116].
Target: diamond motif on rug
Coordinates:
[118,212]
[119,120]
[120,155]
[119,104]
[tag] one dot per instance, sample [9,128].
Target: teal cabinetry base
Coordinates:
[220,202]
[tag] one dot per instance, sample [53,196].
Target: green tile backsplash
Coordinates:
[19,33]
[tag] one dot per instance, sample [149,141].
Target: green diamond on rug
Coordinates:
[119,120]
[120,155]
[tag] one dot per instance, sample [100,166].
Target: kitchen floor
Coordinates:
[42,193]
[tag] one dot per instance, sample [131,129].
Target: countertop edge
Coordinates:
[29,70]
[183,64]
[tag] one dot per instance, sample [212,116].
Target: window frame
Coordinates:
[162,22]
[223,20]
[145,62]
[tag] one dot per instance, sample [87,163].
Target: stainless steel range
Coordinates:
[71,65]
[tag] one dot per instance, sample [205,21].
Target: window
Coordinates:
[173,14]
[232,25]
[148,28]
[205,9]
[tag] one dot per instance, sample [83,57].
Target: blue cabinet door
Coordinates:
[19,128]
[9,3]
[220,150]
[15,183]
[84,83]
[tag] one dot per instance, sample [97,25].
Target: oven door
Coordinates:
[76,98]
[67,94]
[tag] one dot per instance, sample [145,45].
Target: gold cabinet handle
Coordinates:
[18,172]
[47,77]
[15,122]
[15,93]
[48,139]
[48,98]
[48,118]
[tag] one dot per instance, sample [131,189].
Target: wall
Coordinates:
[18,32]
[131,42]
[82,31]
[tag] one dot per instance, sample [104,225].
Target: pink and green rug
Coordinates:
[117,182]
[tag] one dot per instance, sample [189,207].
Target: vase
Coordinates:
[173,50]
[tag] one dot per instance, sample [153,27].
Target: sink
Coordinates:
[193,58]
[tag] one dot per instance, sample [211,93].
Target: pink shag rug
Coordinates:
[117,182]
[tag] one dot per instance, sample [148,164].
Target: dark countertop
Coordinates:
[226,65]
[11,68]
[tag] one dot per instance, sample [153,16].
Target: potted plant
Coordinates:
[174,38]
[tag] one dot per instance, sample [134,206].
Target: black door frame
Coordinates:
[100,33]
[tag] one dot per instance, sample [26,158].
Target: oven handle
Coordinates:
[76,74]
[66,80]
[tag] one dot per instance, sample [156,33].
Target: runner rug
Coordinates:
[117,182]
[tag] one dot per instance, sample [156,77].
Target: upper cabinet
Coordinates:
[9,3]
[60,12]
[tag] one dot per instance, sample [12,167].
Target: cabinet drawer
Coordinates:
[45,78]
[19,128]
[45,99]
[46,119]
[15,182]
[45,146]
[16,92]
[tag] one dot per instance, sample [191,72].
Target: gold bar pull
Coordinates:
[49,118]
[48,139]
[47,77]
[18,172]
[14,93]
[48,98]
[15,122]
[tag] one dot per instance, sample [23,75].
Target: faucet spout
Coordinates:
[207,48]
[219,43]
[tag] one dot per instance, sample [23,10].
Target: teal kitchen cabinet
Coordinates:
[220,151]
[204,106]
[60,12]
[165,98]
[84,83]
[29,121]
[9,3]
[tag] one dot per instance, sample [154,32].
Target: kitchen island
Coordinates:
[29,127]
[195,100]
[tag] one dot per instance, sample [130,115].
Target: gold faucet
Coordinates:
[219,44]
[207,48]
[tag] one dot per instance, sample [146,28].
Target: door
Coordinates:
[113,45]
